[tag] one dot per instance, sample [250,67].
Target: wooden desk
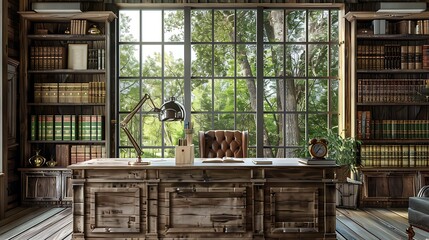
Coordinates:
[284,200]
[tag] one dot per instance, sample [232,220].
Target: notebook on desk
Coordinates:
[223,160]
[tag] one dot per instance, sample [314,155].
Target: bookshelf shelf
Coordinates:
[66,104]
[68,142]
[66,37]
[390,104]
[68,71]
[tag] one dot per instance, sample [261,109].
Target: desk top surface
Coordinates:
[157,163]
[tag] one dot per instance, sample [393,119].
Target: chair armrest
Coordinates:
[424,191]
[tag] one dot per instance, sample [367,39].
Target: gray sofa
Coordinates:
[418,211]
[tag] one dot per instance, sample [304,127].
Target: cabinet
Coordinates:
[46,186]
[65,80]
[389,63]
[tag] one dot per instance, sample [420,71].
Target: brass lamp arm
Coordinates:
[124,123]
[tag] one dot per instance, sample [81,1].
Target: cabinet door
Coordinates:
[67,189]
[206,209]
[42,185]
[115,210]
[393,187]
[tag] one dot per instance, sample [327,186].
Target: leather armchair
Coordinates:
[223,143]
[418,211]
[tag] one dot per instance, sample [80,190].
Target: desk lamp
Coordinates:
[169,111]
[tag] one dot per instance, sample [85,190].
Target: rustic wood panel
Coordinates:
[41,186]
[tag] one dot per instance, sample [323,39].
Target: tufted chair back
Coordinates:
[223,143]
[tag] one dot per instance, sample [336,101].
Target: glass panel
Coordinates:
[127,152]
[317,95]
[296,26]
[169,153]
[273,25]
[201,25]
[152,61]
[152,153]
[246,60]
[202,122]
[273,60]
[271,98]
[224,25]
[129,25]
[129,94]
[293,129]
[299,95]
[272,134]
[224,95]
[243,96]
[153,87]
[134,128]
[334,60]
[334,95]
[224,121]
[334,26]
[174,61]
[201,60]
[318,25]
[317,125]
[247,122]
[174,88]
[318,60]
[129,64]
[174,22]
[173,131]
[224,60]
[151,130]
[295,60]
[246,26]
[201,98]
[151,26]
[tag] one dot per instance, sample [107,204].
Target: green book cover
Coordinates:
[49,120]
[66,127]
[33,127]
[42,127]
[73,127]
[94,127]
[58,128]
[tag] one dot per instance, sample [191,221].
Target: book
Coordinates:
[223,160]
[311,161]
[77,56]
[262,162]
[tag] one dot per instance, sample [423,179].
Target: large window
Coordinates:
[273,72]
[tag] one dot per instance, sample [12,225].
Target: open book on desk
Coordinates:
[223,160]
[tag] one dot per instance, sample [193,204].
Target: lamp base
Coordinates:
[138,162]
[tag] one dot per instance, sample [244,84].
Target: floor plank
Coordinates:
[362,224]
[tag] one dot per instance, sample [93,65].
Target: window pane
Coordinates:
[174,88]
[201,60]
[201,25]
[318,25]
[134,128]
[153,88]
[296,26]
[174,61]
[334,60]
[129,25]
[247,122]
[152,61]
[317,95]
[169,153]
[273,60]
[151,26]
[334,95]
[317,125]
[202,122]
[246,60]
[334,26]
[129,94]
[271,91]
[246,26]
[295,60]
[129,64]
[224,25]
[152,153]
[173,131]
[224,95]
[201,95]
[224,60]
[174,26]
[224,121]
[318,60]
[151,130]
[299,94]
[243,98]
[273,25]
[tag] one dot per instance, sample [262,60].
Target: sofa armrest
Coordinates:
[424,191]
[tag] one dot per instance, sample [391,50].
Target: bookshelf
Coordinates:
[389,78]
[65,111]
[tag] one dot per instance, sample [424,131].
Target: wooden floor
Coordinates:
[56,223]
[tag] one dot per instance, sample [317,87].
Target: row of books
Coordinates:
[47,57]
[392,90]
[66,127]
[51,57]
[392,56]
[368,128]
[78,26]
[67,154]
[394,155]
[382,26]
[92,92]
